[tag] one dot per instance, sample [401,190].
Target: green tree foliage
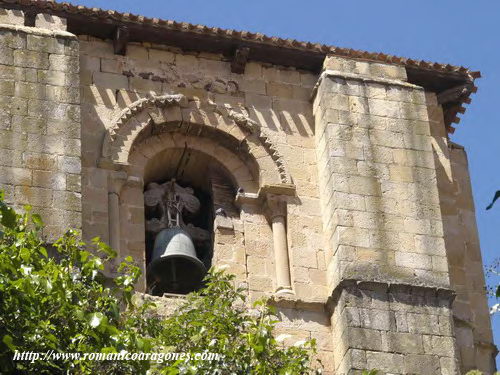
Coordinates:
[210,321]
[63,302]
[493,271]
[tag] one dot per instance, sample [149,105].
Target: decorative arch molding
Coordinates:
[174,113]
[147,131]
[148,150]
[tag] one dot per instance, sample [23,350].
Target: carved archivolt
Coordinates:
[141,104]
[254,128]
[170,113]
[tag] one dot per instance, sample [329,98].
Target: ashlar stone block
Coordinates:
[12,16]
[50,21]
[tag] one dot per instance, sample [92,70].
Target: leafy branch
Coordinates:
[59,298]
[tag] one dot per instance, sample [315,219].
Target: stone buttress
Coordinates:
[387,266]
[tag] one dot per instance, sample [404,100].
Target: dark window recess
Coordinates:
[179,217]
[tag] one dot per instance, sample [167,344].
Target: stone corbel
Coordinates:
[116,181]
[120,40]
[276,209]
[240,60]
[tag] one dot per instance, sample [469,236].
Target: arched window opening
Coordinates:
[184,191]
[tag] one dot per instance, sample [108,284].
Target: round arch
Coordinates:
[151,148]
[150,126]
[149,118]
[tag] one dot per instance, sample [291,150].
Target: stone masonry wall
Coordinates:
[40,119]
[370,262]
[395,329]
[278,99]
[371,139]
[470,308]
[380,201]
[382,220]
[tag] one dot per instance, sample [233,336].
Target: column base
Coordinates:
[284,290]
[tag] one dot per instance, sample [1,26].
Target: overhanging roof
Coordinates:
[454,82]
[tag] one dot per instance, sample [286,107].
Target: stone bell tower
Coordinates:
[387,265]
[323,178]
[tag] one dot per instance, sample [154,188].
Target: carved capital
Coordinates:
[116,181]
[278,189]
[275,206]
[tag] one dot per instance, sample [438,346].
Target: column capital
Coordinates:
[116,181]
[275,205]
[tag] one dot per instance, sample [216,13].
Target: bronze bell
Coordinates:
[174,267]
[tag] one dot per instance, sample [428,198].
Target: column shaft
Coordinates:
[283,279]
[114,221]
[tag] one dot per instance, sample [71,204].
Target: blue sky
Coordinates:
[458,32]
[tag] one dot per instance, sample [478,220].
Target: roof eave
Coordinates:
[103,24]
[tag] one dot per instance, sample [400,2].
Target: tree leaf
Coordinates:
[8,217]
[7,340]
[69,306]
[37,220]
[95,319]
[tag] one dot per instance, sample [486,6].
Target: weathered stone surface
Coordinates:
[50,21]
[381,206]
[386,362]
[12,17]
[43,44]
[70,64]
[31,59]
[35,81]
[421,364]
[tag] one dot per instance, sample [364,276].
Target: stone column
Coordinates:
[116,181]
[114,220]
[276,206]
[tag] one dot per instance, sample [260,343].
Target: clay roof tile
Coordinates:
[61,8]
[257,37]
